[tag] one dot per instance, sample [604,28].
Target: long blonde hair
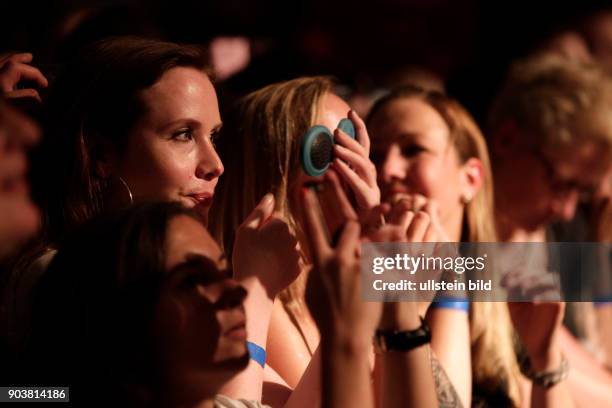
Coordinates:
[494,363]
[260,153]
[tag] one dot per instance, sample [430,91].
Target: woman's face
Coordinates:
[200,318]
[414,155]
[331,110]
[170,153]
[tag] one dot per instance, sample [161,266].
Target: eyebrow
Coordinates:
[407,135]
[193,260]
[193,256]
[191,122]
[217,128]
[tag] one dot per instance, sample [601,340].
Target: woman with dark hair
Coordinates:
[133,302]
[139,308]
[129,120]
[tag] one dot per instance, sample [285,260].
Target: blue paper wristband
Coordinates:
[602,300]
[257,353]
[449,303]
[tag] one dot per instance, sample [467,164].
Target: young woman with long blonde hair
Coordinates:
[428,149]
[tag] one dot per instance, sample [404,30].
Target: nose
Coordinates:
[210,166]
[564,207]
[232,295]
[395,166]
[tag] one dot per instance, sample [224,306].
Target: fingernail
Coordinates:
[267,199]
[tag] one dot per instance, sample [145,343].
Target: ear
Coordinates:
[472,179]
[506,139]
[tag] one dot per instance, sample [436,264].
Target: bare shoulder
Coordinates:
[286,350]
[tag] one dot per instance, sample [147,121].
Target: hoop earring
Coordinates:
[127,188]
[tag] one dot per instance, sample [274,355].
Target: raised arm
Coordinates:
[346,322]
[265,261]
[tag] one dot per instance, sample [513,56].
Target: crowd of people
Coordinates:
[159,249]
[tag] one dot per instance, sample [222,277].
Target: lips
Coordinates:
[202,199]
[396,188]
[391,192]
[237,331]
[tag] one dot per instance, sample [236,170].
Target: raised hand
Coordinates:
[354,165]
[333,293]
[538,325]
[266,249]
[16,68]
[414,216]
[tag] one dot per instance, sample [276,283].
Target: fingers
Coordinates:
[23,57]
[340,196]
[431,234]
[24,93]
[31,73]
[315,231]
[401,214]
[418,227]
[279,228]
[361,189]
[262,212]
[11,73]
[360,131]
[435,232]
[361,165]
[345,140]
[349,240]
[376,217]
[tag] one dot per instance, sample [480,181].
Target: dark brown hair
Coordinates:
[95,306]
[92,106]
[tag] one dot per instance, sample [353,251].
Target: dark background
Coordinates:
[468,43]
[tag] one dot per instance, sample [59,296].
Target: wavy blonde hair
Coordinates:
[260,153]
[494,363]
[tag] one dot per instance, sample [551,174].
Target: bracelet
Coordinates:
[451,303]
[545,379]
[401,340]
[257,353]
[600,301]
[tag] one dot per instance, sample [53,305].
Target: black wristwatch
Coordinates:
[546,379]
[401,340]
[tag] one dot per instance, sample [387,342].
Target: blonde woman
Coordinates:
[269,127]
[428,149]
